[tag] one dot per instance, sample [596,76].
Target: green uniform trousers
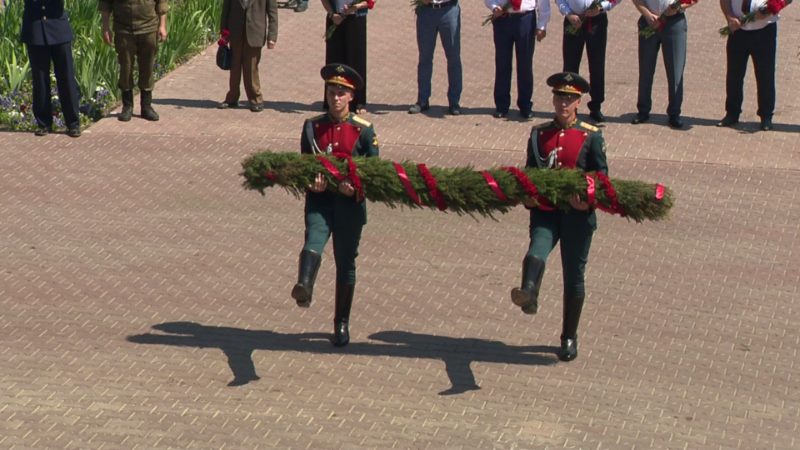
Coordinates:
[574,231]
[329,214]
[138,49]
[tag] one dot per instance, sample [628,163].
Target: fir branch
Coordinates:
[465,190]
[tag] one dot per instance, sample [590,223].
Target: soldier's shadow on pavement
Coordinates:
[457,353]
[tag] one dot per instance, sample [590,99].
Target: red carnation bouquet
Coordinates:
[677,5]
[771,7]
[224,38]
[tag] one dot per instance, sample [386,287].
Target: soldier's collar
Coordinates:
[569,125]
[346,118]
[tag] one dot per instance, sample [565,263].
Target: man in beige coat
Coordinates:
[251,23]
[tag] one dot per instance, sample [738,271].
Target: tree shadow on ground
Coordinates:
[457,353]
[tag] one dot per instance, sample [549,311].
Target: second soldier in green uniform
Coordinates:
[339,212]
[567,143]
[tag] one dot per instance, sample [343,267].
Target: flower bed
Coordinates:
[191,26]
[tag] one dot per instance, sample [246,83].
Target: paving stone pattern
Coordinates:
[138,279]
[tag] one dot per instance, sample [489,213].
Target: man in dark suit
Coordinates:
[252,24]
[48,36]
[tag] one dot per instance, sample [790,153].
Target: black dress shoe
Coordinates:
[499,114]
[226,105]
[526,114]
[74,132]
[568,350]
[766,124]
[597,116]
[417,108]
[41,132]
[728,121]
[640,118]
[675,122]
[341,334]
[256,107]
[455,110]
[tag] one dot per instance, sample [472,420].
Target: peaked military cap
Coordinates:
[568,82]
[342,75]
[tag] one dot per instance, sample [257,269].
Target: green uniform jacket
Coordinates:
[579,146]
[134,16]
[353,137]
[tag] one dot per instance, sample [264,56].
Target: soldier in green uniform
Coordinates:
[341,211]
[569,143]
[138,27]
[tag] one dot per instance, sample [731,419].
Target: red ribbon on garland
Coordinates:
[430,181]
[529,187]
[352,174]
[659,191]
[401,172]
[330,168]
[493,185]
[590,191]
[611,194]
[354,178]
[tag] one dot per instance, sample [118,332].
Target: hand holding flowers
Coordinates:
[771,7]
[576,21]
[496,13]
[657,24]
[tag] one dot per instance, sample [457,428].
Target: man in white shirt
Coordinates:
[515,23]
[756,39]
[662,25]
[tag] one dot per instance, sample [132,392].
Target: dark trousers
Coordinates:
[574,231]
[592,35]
[244,67]
[761,46]
[329,214]
[514,33]
[138,49]
[348,46]
[672,41]
[60,55]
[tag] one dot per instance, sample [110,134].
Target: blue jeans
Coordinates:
[446,22]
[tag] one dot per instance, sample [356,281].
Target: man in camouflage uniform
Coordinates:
[138,27]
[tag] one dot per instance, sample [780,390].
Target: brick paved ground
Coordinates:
[137,278]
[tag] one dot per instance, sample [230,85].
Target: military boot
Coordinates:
[573,305]
[527,296]
[344,300]
[127,106]
[306,276]
[148,113]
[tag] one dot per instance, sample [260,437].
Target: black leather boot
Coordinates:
[344,300]
[127,106]
[573,305]
[148,113]
[527,297]
[306,276]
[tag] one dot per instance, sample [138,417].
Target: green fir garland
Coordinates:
[462,189]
